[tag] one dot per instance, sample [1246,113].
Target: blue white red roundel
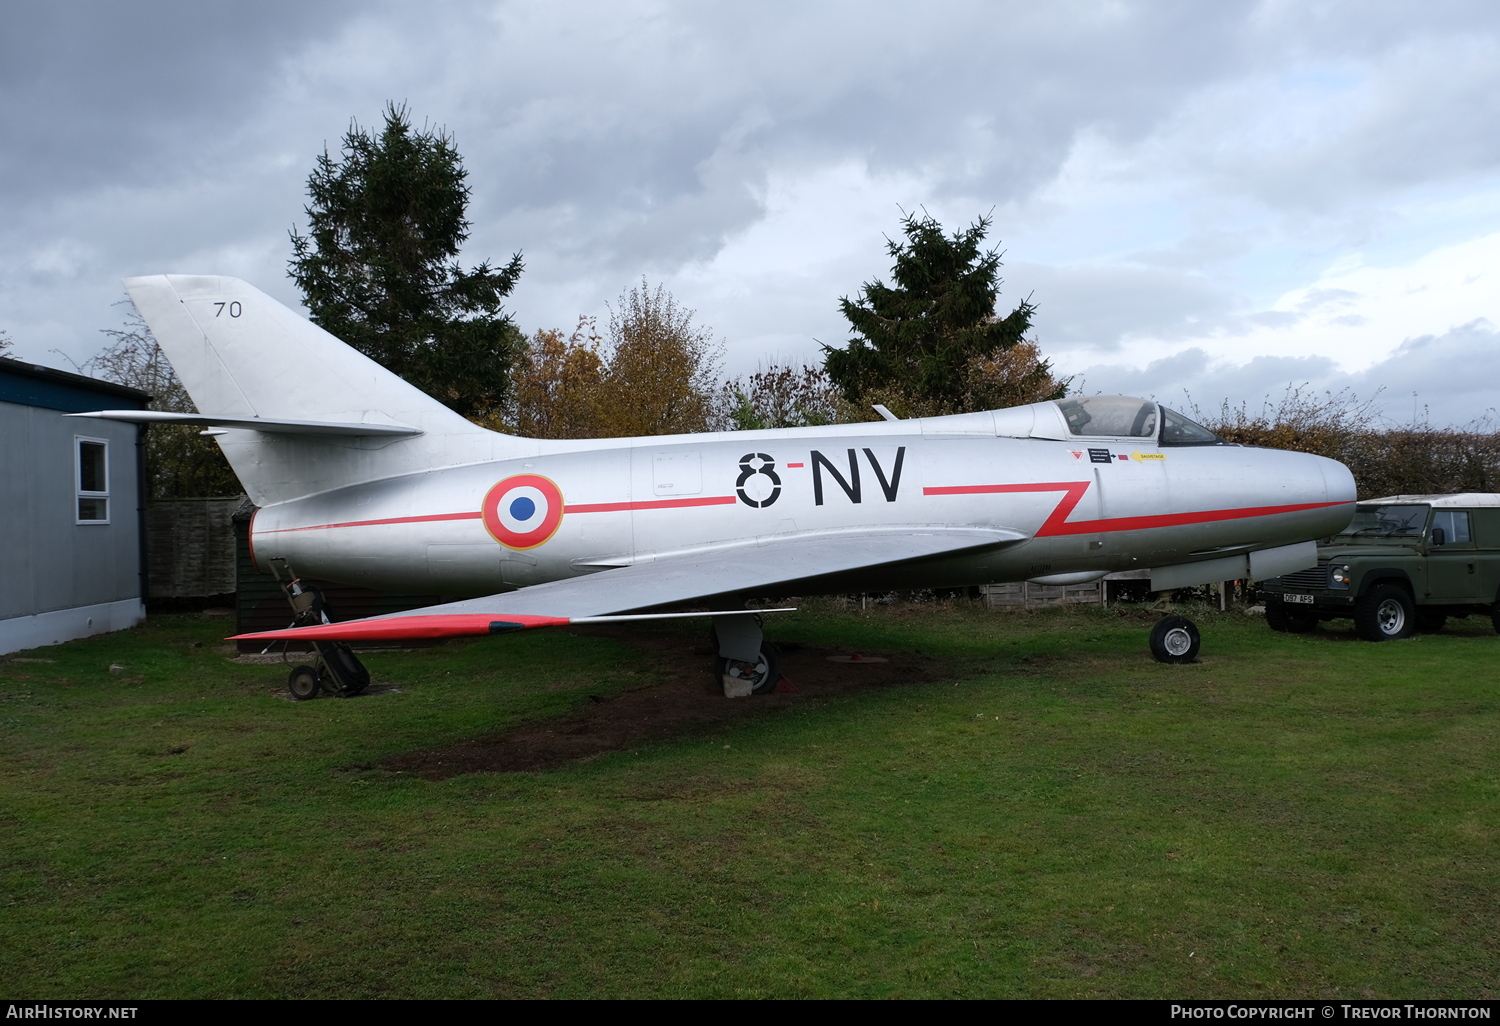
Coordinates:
[523,511]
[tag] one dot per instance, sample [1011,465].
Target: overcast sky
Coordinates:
[1220,197]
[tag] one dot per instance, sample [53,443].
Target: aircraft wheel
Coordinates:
[761,676]
[1429,622]
[303,683]
[1174,639]
[1384,613]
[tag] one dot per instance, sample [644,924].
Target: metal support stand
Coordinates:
[335,668]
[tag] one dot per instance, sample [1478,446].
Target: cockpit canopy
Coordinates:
[1123,416]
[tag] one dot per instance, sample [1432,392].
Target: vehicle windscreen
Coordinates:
[1110,415]
[1388,521]
[1178,430]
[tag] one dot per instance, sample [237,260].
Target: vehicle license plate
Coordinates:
[1305,600]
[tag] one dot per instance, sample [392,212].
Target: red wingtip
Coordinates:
[395,628]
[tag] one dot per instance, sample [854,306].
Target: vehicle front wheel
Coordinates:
[1174,639]
[1384,613]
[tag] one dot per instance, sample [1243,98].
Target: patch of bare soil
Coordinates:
[690,701]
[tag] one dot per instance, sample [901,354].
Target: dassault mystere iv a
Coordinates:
[364,479]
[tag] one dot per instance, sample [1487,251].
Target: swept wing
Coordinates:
[790,561]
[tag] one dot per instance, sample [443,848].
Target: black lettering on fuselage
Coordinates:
[895,482]
[850,486]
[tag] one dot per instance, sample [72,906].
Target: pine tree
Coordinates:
[378,266]
[930,342]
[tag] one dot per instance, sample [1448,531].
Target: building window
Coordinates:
[93,481]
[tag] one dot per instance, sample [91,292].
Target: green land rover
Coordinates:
[1404,563]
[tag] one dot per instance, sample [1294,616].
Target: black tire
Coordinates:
[1384,613]
[303,683]
[1174,639]
[1290,619]
[1301,620]
[1276,615]
[764,675]
[1429,622]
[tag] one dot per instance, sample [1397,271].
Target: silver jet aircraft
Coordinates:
[364,479]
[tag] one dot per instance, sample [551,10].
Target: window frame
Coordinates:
[1450,515]
[78,491]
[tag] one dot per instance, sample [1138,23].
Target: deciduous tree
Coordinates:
[662,369]
[558,384]
[652,374]
[782,395]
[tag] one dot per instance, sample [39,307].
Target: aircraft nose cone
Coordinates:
[1338,487]
[1338,482]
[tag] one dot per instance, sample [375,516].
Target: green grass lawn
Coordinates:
[1061,816]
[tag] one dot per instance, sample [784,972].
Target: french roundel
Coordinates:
[522,512]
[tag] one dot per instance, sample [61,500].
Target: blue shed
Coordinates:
[72,508]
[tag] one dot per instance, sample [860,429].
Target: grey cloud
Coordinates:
[1346,103]
[1318,298]
[1096,307]
[607,141]
[1452,375]
[107,92]
[1190,380]
[974,98]
[1448,378]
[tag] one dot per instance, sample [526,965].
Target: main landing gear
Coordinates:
[745,665]
[1174,639]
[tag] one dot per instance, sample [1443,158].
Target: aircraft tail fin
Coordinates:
[244,356]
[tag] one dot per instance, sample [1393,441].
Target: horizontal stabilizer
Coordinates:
[268,424]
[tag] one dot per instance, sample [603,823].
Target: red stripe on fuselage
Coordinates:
[372,523]
[596,507]
[616,507]
[1058,524]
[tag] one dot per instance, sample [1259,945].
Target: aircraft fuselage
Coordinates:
[1087,504]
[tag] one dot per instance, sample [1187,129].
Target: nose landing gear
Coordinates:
[1174,639]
